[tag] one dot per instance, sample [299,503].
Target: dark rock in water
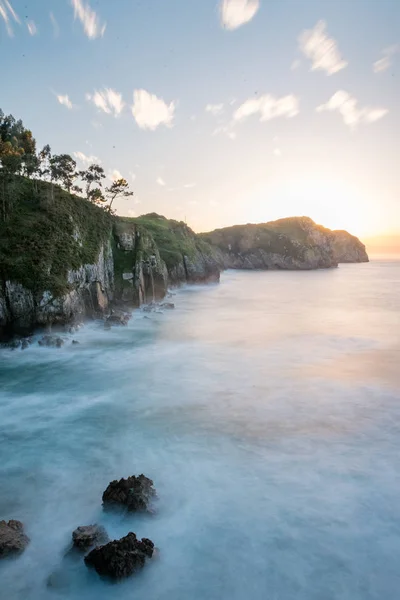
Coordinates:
[168,305]
[118,317]
[15,344]
[51,341]
[150,307]
[134,493]
[75,342]
[85,537]
[120,558]
[24,344]
[12,538]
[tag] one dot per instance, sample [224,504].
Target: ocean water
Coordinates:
[267,411]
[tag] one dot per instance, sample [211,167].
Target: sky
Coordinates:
[218,111]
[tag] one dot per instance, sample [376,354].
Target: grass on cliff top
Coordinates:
[173,238]
[46,236]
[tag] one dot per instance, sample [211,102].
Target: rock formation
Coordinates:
[87,536]
[12,538]
[348,249]
[133,493]
[120,558]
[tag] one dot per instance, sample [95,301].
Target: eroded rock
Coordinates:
[120,558]
[167,305]
[87,536]
[12,538]
[134,493]
[51,341]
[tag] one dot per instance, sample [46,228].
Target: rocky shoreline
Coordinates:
[114,559]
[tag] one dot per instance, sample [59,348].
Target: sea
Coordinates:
[266,409]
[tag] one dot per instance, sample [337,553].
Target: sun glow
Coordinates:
[333,203]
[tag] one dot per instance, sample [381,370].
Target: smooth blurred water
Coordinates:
[267,411]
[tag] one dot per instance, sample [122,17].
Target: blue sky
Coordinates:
[218,112]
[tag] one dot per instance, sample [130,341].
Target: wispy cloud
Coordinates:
[150,111]
[8,15]
[215,109]
[132,175]
[65,101]
[268,107]
[277,152]
[107,100]
[56,27]
[114,175]
[352,115]
[31,25]
[188,186]
[321,49]
[226,130]
[92,25]
[387,60]
[235,13]
[87,160]
[295,64]
[160,181]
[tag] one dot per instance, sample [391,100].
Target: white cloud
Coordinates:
[384,63]
[56,28]
[160,181]
[107,100]
[235,13]
[189,185]
[65,101]
[277,152]
[295,64]
[8,14]
[87,160]
[131,213]
[215,109]
[92,25]
[226,130]
[132,175]
[321,50]
[114,175]
[268,107]
[347,106]
[150,112]
[31,25]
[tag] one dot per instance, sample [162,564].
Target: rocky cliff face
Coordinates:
[84,264]
[348,249]
[294,243]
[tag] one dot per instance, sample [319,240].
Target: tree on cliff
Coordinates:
[17,157]
[93,175]
[118,189]
[63,170]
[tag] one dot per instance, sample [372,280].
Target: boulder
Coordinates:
[167,305]
[120,558]
[24,344]
[75,342]
[118,317]
[12,538]
[87,536]
[51,341]
[134,493]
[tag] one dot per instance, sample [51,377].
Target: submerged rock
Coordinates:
[167,305]
[120,558]
[12,538]
[74,342]
[51,341]
[135,493]
[118,317]
[24,344]
[86,536]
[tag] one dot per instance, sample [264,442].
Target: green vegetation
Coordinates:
[18,158]
[174,239]
[48,233]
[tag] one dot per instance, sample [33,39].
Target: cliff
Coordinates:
[348,249]
[63,259]
[291,243]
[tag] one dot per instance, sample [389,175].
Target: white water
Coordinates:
[267,411]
